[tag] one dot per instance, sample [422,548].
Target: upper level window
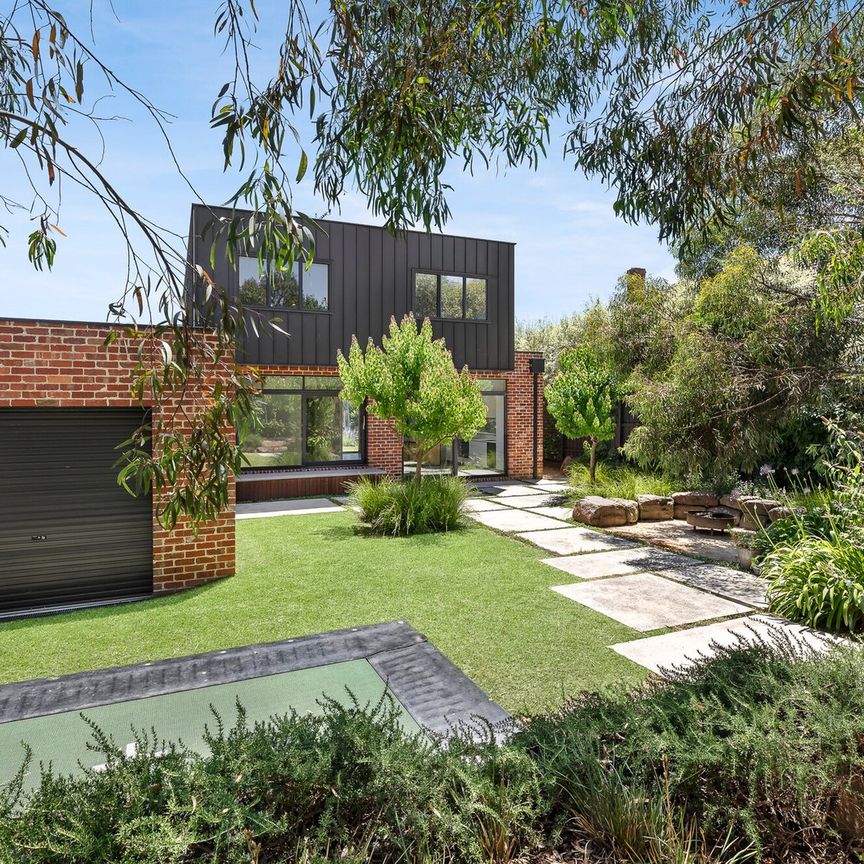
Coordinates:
[442,295]
[299,288]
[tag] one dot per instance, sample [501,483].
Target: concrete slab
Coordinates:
[621,562]
[726,581]
[286,507]
[511,520]
[480,505]
[508,490]
[524,502]
[574,541]
[678,536]
[560,486]
[681,649]
[553,512]
[647,602]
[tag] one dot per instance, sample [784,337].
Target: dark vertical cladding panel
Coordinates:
[376,283]
[404,284]
[506,316]
[388,280]
[68,532]
[337,290]
[349,284]
[371,278]
[364,303]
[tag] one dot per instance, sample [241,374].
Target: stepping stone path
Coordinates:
[681,649]
[512,520]
[641,586]
[621,562]
[626,599]
[571,541]
[480,505]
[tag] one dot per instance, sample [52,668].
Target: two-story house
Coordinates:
[309,441]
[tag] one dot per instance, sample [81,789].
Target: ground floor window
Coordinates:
[302,421]
[485,454]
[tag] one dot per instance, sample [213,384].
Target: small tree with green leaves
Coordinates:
[411,379]
[582,398]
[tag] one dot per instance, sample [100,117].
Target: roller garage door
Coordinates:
[68,533]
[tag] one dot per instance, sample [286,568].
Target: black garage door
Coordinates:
[68,533]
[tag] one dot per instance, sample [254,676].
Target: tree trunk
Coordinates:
[418,468]
[592,464]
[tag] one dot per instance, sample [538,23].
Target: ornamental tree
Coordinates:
[411,379]
[581,399]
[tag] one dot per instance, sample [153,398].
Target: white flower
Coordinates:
[766,470]
[795,472]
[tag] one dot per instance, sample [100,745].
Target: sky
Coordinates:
[570,247]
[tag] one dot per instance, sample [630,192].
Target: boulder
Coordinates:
[780,512]
[756,510]
[701,500]
[733,502]
[654,507]
[605,512]
[565,465]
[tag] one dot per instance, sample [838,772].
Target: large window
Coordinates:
[443,295]
[304,422]
[484,455]
[299,288]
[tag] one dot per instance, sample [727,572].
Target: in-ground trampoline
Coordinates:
[175,697]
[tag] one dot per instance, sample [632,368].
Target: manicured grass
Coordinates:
[481,598]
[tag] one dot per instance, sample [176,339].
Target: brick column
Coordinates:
[383,445]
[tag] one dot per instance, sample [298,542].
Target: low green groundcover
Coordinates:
[754,756]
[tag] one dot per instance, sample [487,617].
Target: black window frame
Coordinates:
[302,278]
[420,271]
[305,393]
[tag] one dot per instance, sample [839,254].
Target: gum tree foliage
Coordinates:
[591,327]
[746,374]
[411,378]
[678,105]
[582,398]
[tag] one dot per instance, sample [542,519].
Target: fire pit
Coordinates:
[709,520]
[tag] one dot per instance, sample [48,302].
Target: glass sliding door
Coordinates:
[303,421]
[486,452]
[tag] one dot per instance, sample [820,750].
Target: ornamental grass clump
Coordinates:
[814,558]
[403,507]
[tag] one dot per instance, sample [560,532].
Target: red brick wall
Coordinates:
[64,365]
[384,444]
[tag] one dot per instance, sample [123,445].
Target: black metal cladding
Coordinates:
[371,280]
[68,533]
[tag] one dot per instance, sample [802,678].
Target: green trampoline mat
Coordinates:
[62,739]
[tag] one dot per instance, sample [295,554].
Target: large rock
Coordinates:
[756,511]
[694,499]
[684,503]
[605,512]
[780,512]
[654,507]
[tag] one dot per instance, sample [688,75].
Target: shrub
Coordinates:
[619,481]
[401,507]
[818,580]
[347,784]
[742,758]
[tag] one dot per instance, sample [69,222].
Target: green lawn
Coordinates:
[483,599]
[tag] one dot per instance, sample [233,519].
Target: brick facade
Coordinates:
[384,444]
[56,364]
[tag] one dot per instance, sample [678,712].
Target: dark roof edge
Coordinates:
[367,225]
